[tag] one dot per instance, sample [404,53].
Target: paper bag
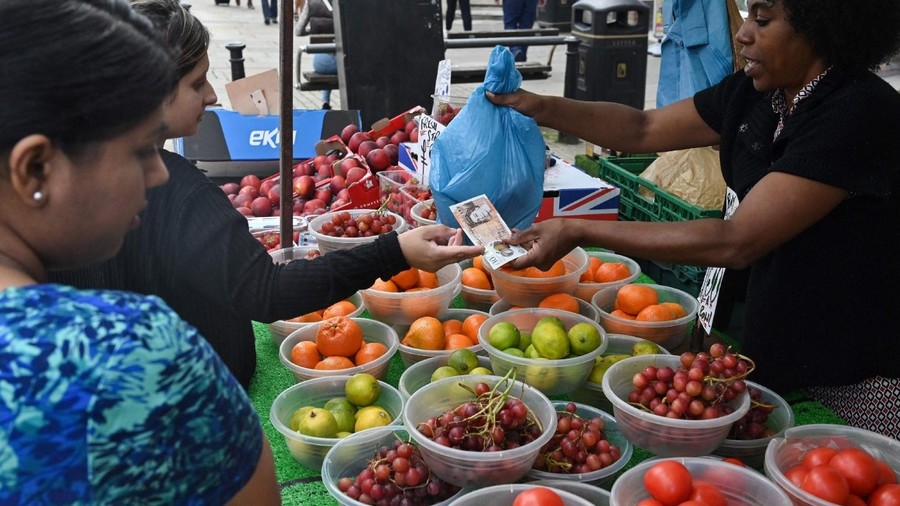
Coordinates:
[693,175]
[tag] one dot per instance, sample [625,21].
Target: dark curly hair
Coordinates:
[850,35]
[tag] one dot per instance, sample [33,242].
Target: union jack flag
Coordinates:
[585,203]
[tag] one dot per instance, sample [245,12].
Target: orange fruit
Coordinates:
[456,341]
[334,363]
[611,271]
[305,354]
[588,275]
[622,314]
[478,263]
[315,316]
[633,298]
[406,279]
[475,278]
[561,301]
[452,326]
[426,333]
[384,286]
[654,313]
[471,325]
[369,352]
[676,309]
[427,279]
[557,269]
[342,308]
[339,336]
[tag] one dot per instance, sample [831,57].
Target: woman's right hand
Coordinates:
[432,247]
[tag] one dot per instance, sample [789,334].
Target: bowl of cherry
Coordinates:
[347,229]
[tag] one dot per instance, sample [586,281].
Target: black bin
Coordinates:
[612,55]
[555,14]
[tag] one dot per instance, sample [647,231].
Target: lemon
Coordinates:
[645,348]
[550,340]
[362,389]
[318,422]
[463,360]
[371,416]
[514,352]
[444,371]
[297,415]
[584,338]
[481,370]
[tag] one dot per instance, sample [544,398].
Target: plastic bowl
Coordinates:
[787,451]
[280,329]
[350,456]
[668,334]
[310,451]
[611,431]
[585,291]
[328,243]
[584,309]
[593,494]
[273,223]
[417,213]
[403,308]
[753,451]
[469,468]
[592,393]
[412,355]
[373,331]
[665,437]
[505,495]
[419,374]
[477,298]
[739,485]
[552,377]
[528,292]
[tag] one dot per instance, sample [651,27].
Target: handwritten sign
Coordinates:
[712,281]
[442,81]
[429,131]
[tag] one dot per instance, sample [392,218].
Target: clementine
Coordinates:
[471,325]
[425,333]
[478,263]
[339,336]
[315,316]
[334,363]
[622,314]
[406,279]
[654,313]
[384,286]
[369,352]
[634,297]
[611,271]
[476,278]
[556,270]
[677,309]
[561,301]
[427,280]
[305,354]
[588,275]
[341,308]
[452,326]
[456,341]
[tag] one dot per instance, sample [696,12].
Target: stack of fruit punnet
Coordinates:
[412,294]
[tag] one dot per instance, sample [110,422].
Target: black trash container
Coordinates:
[555,14]
[612,56]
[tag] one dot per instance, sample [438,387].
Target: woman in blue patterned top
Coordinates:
[106,397]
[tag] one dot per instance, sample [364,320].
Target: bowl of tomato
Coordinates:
[822,464]
[520,494]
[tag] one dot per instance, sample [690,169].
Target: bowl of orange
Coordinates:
[657,313]
[562,301]
[352,306]
[412,294]
[605,269]
[437,336]
[339,346]
[477,288]
[527,287]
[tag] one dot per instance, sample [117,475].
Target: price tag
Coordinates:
[429,131]
[712,280]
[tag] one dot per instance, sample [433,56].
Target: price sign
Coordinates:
[429,131]
[712,281]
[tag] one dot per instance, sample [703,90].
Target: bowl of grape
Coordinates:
[347,229]
[679,405]
[476,431]
[769,417]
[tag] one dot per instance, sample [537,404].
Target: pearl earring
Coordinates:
[38,196]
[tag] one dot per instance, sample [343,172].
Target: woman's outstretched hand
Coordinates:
[432,247]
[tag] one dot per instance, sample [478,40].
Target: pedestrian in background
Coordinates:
[249,3]
[465,9]
[270,11]
[317,18]
[519,15]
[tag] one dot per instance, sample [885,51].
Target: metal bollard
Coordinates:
[236,48]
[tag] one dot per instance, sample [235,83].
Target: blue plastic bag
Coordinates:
[492,150]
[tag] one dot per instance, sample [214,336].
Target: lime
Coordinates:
[524,339]
[481,370]
[514,352]
[345,419]
[645,348]
[318,422]
[584,338]
[504,335]
[550,340]
[362,389]
[531,352]
[596,375]
[444,371]
[297,415]
[552,320]
[343,434]
[340,404]
[371,416]
[463,360]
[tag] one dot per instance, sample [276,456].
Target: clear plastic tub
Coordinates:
[419,374]
[612,433]
[477,298]
[470,468]
[446,107]
[412,355]
[753,451]
[403,308]
[585,291]
[668,334]
[739,485]
[552,377]
[417,213]
[665,437]
[390,182]
[592,494]
[309,451]
[373,331]
[787,451]
[505,495]
[528,292]
[584,309]
[592,393]
[328,243]
[280,329]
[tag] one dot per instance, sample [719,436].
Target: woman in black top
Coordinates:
[808,138]
[195,251]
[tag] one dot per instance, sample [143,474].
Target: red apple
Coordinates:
[298,205]
[393,152]
[410,126]
[383,141]
[355,174]
[231,188]
[325,171]
[261,206]
[348,132]
[304,186]
[275,194]
[265,186]
[378,160]
[344,195]
[242,200]
[414,135]
[324,194]
[357,139]
[250,180]
[365,147]
[304,169]
[320,160]
[399,137]
[312,205]
[231,197]
[252,191]
[333,157]
[245,211]
[337,184]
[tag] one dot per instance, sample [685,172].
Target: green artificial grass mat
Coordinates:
[303,486]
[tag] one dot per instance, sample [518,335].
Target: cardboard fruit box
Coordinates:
[570,193]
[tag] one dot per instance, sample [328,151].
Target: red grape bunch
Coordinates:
[578,446]
[343,224]
[753,424]
[699,390]
[397,475]
[491,422]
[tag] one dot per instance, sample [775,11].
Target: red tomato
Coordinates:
[885,473]
[859,469]
[826,483]
[796,475]
[885,495]
[649,502]
[707,494]
[692,503]
[854,500]
[818,456]
[735,461]
[538,496]
[669,482]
